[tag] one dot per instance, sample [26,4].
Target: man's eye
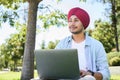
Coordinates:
[76,20]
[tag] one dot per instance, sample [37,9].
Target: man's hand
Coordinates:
[97,75]
[84,73]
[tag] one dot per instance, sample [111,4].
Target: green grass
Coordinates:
[16,76]
[12,75]
[115,77]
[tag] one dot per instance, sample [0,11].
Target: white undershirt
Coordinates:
[81,54]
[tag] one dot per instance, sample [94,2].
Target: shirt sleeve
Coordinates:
[102,63]
[58,46]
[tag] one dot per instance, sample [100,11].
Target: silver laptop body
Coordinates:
[57,64]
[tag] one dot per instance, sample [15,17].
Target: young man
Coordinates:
[92,56]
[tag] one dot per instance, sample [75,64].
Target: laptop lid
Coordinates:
[57,64]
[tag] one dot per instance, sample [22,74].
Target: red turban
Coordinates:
[82,15]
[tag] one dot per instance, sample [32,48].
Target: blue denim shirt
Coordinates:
[95,55]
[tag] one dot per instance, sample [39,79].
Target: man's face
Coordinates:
[75,25]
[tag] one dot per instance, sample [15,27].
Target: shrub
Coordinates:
[115,61]
[114,58]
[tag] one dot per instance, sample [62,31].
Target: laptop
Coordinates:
[57,64]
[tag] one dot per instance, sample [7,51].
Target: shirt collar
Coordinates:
[87,39]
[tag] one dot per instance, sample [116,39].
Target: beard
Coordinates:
[77,31]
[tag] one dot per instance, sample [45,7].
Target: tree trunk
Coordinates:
[28,59]
[114,21]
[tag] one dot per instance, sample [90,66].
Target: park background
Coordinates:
[52,26]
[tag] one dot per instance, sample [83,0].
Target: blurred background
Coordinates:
[51,27]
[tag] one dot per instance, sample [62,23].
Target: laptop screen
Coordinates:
[57,64]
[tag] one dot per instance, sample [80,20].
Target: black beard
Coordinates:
[77,32]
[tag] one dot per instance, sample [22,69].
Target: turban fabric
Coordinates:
[81,14]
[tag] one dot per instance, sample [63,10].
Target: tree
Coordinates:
[28,58]
[16,44]
[114,16]
[104,33]
[12,50]
[114,20]
[28,61]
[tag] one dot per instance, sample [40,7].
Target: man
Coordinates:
[92,56]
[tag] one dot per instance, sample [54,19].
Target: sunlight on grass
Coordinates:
[16,76]
[115,77]
[12,75]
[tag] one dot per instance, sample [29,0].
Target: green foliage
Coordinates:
[118,19]
[115,5]
[9,16]
[115,61]
[43,45]
[113,54]
[9,11]
[13,4]
[4,58]
[104,33]
[53,18]
[12,50]
[52,45]
[118,11]
[114,58]
[1,59]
